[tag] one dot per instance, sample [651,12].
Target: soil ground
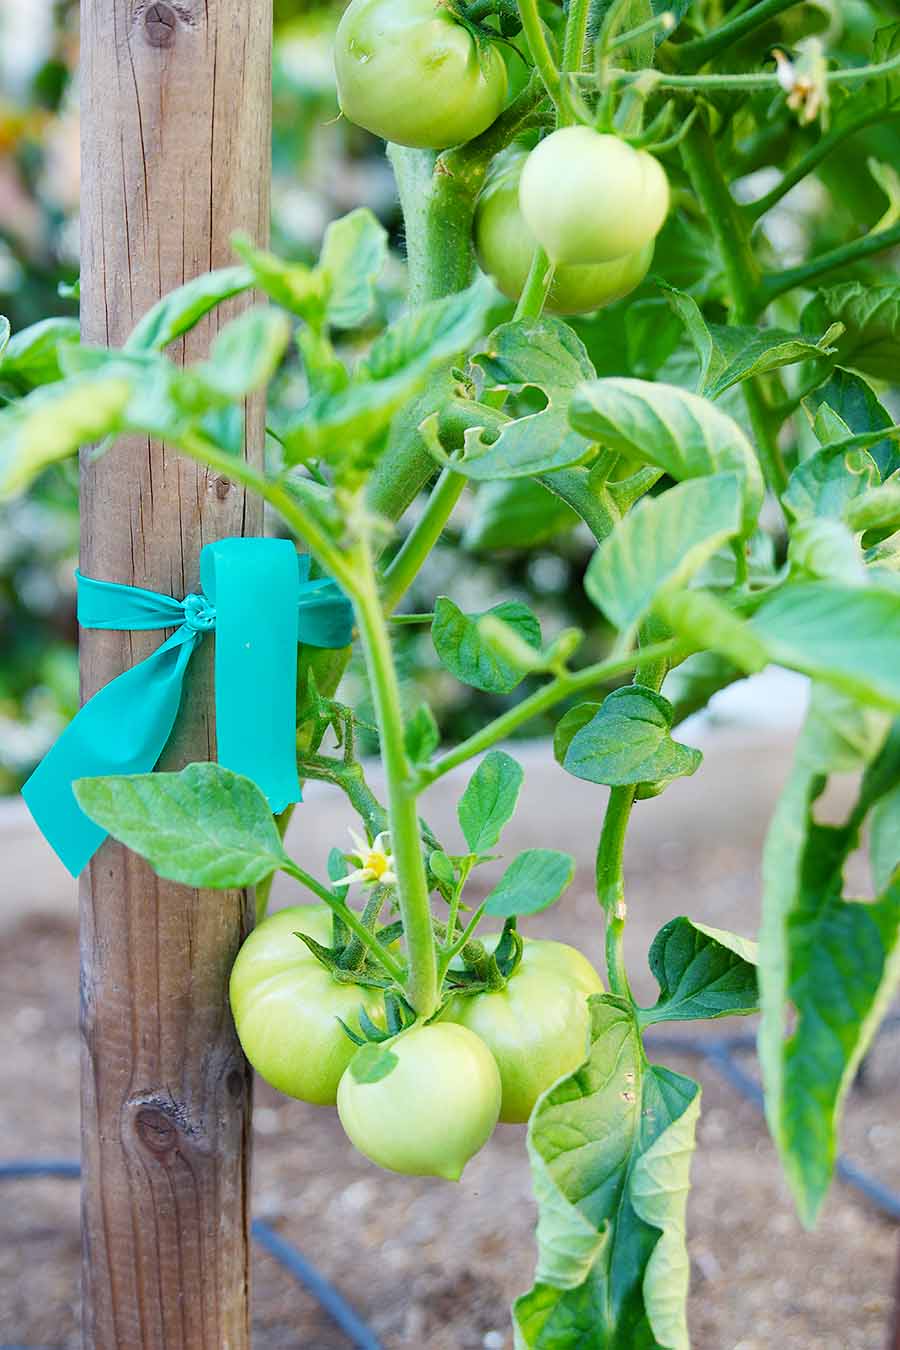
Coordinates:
[434,1266]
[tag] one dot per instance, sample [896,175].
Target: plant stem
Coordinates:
[694,54]
[406,843]
[563,686]
[349,917]
[576,34]
[778,282]
[537,285]
[541,55]
[709,84]
[806,164]
[611,884]
[744,278]
[422,538]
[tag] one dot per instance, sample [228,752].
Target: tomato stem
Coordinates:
[539,48]
[406,842]
[417,546]
[537,287]
[349,917]
[695,53]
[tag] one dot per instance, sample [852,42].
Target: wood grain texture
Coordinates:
[176,109]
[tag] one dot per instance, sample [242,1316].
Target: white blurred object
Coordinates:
[774,700]
[26,37]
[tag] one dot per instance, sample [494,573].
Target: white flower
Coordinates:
[376,864]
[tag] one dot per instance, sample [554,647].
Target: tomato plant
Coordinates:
[724,433]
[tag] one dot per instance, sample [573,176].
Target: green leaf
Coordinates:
[515,513]
[829,967]
[542,354]
[466,655]
[875,509]
[205,826]
[533,881]
[354,252]
[679,432]
[826,549]
[660,545]
[826,482]
[422,735]
[697,329]
[181,309]
[848,636]
[626,741]
[489,800]
[859,408]
[372,1062]
[246,353]
[442,867]
[31,357]
[870,342]
[432,333]
[652,332]
[702,973]
[884,838]
[748,352]
[53,422]
[610,1149]
[292,285]
[332,426]
[704,621]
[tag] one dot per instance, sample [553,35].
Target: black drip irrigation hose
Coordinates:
[718,1053]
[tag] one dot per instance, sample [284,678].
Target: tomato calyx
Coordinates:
[399,1016]
[488,971]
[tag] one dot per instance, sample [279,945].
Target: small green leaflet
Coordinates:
[489,800]
[354,252]
[625,741]
[884,838]
[430,334]
[372,1062]
[422,735]
[848,636]
[825,549]
[181,309]
[679,432]
[856,404]
[828,481]
[871,318]
[542,354]
[660,544]
[466,655]
[610,1149]
[705,621]
[245,353]
[533,881]
[702,973]
[32,357]
[205,826]
[54,421]
[829,967]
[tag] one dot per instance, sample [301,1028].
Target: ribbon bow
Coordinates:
[257,595]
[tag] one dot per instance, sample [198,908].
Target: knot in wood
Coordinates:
[160,22]
[155,1130]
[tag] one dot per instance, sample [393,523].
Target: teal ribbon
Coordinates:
[257,595]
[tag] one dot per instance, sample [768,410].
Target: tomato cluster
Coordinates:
[487,1057]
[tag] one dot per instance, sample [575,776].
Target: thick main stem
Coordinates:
[406,843]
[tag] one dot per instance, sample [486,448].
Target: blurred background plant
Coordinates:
[511,540]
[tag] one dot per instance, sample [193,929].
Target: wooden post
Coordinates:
[176,111]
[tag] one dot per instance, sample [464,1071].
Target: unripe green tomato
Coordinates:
[435,1109]
[286,1005]
[589,198]
[537,1027]
[505,246]
[408,71]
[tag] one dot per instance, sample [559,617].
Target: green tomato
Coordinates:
[505,245]
[407,70]
[434,1110]
[286,1005]
[537,1027]
[590,198]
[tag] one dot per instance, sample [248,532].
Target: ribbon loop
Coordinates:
[258,597]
